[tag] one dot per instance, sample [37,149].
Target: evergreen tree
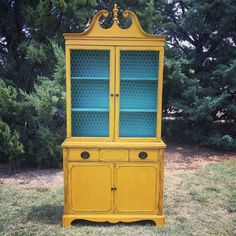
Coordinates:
[203,34]
[199,76]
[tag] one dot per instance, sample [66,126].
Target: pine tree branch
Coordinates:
[182,6]
[212,48]
[178,44]
[185,34]
[58,24]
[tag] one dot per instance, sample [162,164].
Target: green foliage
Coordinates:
[46,128]
[199,99]
[199,89]
[36,119]
[11,149]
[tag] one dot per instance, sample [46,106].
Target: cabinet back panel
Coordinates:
[90,93]
[138,124]
[138,94]
[90,124]
[90,63]
[139,64]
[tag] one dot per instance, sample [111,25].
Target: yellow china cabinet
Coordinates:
[113,155]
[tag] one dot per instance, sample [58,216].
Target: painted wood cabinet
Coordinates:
[113,155]
[137,187]
[92,192]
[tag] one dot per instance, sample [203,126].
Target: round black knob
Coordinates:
[142,155]
[85,155]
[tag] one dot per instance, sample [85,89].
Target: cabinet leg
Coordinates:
[66,222]
[159,221]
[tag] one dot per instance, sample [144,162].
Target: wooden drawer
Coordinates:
[114,155]
[144,155]
[76,154]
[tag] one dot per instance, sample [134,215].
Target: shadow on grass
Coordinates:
[52,214]
[48,214]
[79,223]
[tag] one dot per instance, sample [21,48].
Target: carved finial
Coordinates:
[115,12]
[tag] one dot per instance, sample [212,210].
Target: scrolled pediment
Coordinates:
[96,30]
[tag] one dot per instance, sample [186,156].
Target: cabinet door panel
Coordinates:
[137,83]
[91,187]
[92,81]
[137,187]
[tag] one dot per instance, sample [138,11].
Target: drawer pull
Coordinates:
[142,155]
[85,155]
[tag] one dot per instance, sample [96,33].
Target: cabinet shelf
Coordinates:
[137,110]
[89,78]
[90,109]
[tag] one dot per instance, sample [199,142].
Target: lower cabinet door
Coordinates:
[137,187]
[90,187]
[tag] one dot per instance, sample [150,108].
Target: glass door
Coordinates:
[92,82]
[137,79]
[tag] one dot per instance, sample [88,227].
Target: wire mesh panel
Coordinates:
[90,72]
[90,124]
[139,64]
[90,63]
[138,93]
[137,124]
[90,93]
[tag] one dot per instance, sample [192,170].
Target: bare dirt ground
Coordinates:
[190,157]
[178,158]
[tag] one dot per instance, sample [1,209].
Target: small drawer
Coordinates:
[144,155]
[114,155]
[76,154]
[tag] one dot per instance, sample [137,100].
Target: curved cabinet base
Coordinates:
[112,218]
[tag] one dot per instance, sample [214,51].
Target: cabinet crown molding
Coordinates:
[96,30]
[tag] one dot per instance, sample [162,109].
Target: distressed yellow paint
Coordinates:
[74,154]
[95,29]
[114,155]
[86,179]
[152,155]
[139,181]
[113,184]
[74,142]
[68,94]
[160,88]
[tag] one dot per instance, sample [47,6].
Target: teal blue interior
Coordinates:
[139,65]
[90,74]
[90,64]
[90,93]
[90,124]
[137,124]
[138,93]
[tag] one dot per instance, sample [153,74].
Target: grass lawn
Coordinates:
[199,202]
